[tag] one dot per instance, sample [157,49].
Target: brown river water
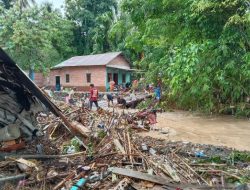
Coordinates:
[216,130]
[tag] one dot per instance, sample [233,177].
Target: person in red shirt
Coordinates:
[93,96]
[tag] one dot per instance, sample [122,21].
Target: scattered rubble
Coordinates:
[73,148]
[106,153]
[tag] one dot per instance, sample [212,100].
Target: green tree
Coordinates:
[38,39]
[199,48]
[7,4]
[92,20]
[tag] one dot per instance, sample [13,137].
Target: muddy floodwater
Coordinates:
[216,130]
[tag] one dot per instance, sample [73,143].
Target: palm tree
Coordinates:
[48,6]
[7,4]
[24,3]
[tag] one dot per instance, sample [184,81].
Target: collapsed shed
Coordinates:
[20,101]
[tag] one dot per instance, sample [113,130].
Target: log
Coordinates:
[39,156]
[134,103]
[76,126]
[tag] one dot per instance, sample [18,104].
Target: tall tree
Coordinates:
[199,48]
[93,19]
[38,39]
[21,3]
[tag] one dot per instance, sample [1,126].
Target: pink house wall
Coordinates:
[78,77]
[119,61]
[40,80]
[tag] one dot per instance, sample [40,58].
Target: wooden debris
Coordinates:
[119,146]
[122,184]
[139,175]
[78,127]
[171,172]
[38,156]
[61,183]
[167,169]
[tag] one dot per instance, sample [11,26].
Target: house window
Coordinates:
[109,77]
[88,76]
[123,78]
[67,78]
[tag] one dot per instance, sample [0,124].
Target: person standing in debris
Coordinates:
[112,85]
[110,98]
[135,85]
[127,85]
[93,96]
[157,92]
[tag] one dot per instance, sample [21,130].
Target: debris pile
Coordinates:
[74,148]
[129,99]
[18,108]
[102,150]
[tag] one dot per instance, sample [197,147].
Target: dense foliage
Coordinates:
[36,38]
[93,20]
[22,4]
[200,49]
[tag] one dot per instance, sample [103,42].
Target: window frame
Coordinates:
[67,78]
[125,76]
[88,75]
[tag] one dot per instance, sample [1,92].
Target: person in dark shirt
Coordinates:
[93,96]
[121,101]
[110,98]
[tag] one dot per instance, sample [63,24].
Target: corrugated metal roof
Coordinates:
[17,76]
[89,60]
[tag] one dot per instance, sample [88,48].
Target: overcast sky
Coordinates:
[56,3]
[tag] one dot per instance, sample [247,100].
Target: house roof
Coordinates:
[89,60]
[16,77]
[122,67]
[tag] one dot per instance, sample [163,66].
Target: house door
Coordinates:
[58,83]
[115,78]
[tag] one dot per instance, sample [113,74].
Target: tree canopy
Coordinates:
[38,38]
[93,20]
[200,49]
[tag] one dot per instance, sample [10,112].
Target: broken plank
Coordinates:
[119,146]
[40,156]
[167,169]
[171,172]
[139,175]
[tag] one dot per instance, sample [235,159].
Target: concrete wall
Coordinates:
[78,77]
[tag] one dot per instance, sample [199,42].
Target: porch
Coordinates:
[120,76]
